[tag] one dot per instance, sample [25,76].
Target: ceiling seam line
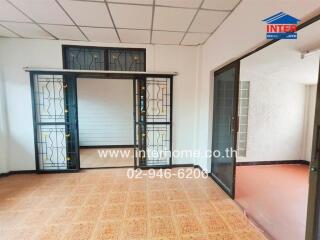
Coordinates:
[65,11]
[112,20]
[31,19]
[222,21]
[158,5]
[152,20]
[90,26]
[10,30]
[194,17]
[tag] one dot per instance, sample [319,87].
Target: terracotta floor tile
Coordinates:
[224,236]
[117,197]
[162,227]
[188,225]
[112,211]
[203,207]
[181,207]
[88,214]
[120,188]
[236,221]
[137,196]
[134,229]
[226,205]
[105,204]
[75,200]
[79,231]
[51,232]
[107,230]
[96,200]
[63,216]
[194,237]
[136,210]
[157,196]
[159,209]
[176,195]
[213,223]
[250,235]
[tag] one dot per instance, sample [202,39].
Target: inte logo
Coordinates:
[281,26]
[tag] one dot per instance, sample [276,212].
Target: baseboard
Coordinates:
[107,146]
[17,172]
[182,165]
[303,162]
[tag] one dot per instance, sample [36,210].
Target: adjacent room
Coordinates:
[105,109]
[277,97]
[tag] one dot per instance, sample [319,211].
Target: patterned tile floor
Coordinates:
[105,204]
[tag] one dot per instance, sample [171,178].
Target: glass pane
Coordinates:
[85,58]
[49,98]
[223,113]
[158,99]
[135,60]
[117,60]
[158,144]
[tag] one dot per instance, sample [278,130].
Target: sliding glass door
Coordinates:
[225,108]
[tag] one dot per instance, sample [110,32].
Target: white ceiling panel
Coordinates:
[131,16]
[207,21]
[220,4]
[172,19]
[9,13]
[27,30]
[134,36]
[132,1]
[43,11]
[101,34]
[65,32]
[195,38]
[88,13]
[6,33]
[180,3]
[161,37]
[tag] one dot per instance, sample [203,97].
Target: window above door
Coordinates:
[100,58]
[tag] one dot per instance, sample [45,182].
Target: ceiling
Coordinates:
[177,22]
[282,60]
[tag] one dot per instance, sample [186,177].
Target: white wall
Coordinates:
[105,111]
[240,33]
[276,121]
[18,53]
[3,127]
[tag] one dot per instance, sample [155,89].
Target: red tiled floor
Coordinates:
[275,196]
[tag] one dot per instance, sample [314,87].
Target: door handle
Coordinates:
[313,169]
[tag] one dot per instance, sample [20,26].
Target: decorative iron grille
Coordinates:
[153,114]
[55,128]
[96,58]
[85,58]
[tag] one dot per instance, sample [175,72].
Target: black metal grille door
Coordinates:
[55,121]
[154,121]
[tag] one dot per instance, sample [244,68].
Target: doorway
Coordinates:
[106,122]
[277,136]
[56,125]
